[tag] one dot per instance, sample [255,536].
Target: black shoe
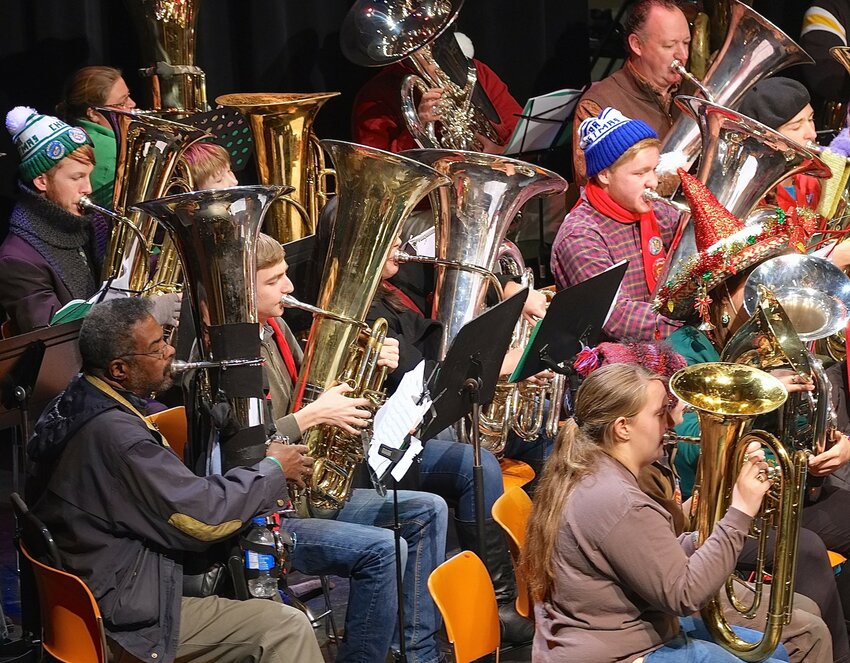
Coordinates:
[516,629]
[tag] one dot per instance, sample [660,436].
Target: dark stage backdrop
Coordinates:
[269,45]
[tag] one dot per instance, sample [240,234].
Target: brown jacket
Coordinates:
[630,94]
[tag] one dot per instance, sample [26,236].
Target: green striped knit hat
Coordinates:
[42,140]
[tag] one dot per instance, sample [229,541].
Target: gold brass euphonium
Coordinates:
[149,148]
[754,49]
[380,32]
[167,36]
[216,235]
[473,217]
[526,408]
[726,398]
[741,161]
[286,152]
[376,191]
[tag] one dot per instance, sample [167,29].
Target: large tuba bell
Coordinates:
[148,150]
[741,161]
[286,153]
[379,32]
[377,190]
[473,217]
[726,398]
[216,235]
[167,35]
[754,49]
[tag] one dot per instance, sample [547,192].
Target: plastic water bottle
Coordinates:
[263,585]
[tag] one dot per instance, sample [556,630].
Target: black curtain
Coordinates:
[268,45]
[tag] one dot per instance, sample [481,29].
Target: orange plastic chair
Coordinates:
[515,473]
[72,628]
[173,426]
[463,592]
[511,511]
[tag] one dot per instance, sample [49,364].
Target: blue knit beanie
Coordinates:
[604,139]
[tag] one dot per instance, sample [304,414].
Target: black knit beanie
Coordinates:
[774,101]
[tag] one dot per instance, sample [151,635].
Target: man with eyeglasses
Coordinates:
[124,510]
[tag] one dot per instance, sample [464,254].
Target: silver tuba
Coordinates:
[380,32]
[473,217]
[741,161]
[216,236]
[754,49]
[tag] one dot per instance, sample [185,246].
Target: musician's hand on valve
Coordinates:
[389,354]
[297,465]
[793,381]
[429,106]
[753,481]
[535,303]
[830,460]
[334,407]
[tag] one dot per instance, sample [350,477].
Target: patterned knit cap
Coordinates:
[42,140]
[605,138]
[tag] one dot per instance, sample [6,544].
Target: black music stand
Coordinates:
[467,378]
[573,320]
[34,368]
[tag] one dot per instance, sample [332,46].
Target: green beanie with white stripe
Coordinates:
[42,140]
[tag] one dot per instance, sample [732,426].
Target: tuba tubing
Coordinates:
[727,397]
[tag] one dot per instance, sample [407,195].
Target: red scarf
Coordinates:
[651,245]
[285,350]
[403,298]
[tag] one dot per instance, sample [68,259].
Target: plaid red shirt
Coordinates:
[589,242]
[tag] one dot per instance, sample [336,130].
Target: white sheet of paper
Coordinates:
[424,244]
[396,418]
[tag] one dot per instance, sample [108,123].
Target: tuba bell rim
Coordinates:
[371,47]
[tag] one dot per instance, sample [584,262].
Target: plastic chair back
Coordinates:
[463,592]
[511,511]
[72,628]
[515,473]
[174,428]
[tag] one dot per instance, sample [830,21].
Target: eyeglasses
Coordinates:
[121,103]
[159,353]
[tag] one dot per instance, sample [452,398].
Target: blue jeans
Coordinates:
[694,644]
[446,469]
[359,545]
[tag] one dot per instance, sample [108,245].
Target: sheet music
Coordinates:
[543,119]
[424,244]
[402,413]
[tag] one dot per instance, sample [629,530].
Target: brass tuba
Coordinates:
[741,161]
[754,49]
[286,152]
[380,32]
[167,36]
[216,235]
[726,398]
[149,148]
[377,190]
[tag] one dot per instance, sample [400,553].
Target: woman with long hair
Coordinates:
[607,574]
[86,90]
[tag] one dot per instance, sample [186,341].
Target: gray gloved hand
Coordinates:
[166,308]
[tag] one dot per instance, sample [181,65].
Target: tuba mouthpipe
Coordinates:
[680,69]
[656,197]
[401,256]
[86,204]
[178,366]
[291,302]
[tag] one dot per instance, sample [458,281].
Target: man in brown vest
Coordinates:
[656,34]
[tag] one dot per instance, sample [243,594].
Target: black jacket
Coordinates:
[123,508]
